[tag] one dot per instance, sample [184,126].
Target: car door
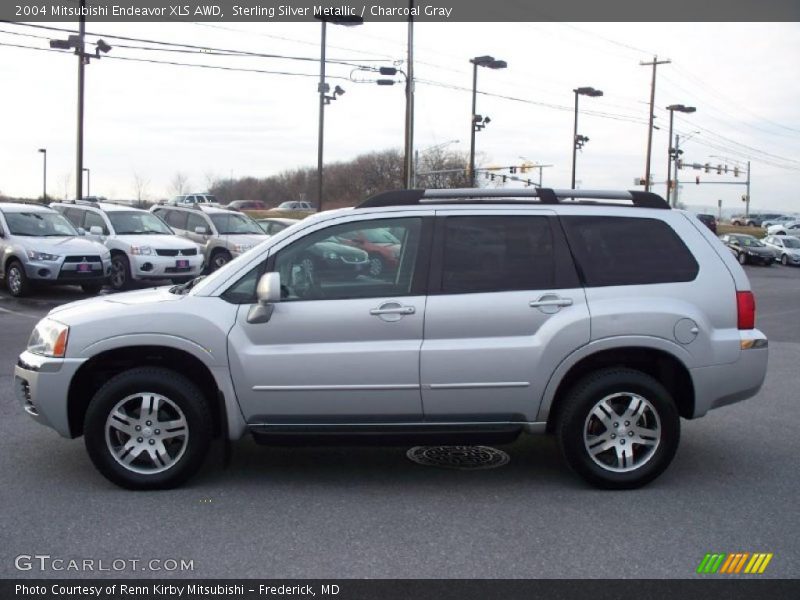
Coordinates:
[505,307]
[193,221]
[340,347]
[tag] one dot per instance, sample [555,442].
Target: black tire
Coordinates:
[574,419]
[17,281]
[149,380]
[92,288]
[219,258]
[742,258]
[120,279]
[785,260]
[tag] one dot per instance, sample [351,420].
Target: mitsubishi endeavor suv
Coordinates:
[142,246]
[600,317]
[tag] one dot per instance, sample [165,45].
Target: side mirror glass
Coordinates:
[96,230]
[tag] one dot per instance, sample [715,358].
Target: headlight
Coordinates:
[49,338]
[143,250]
[33,255]
[242,247]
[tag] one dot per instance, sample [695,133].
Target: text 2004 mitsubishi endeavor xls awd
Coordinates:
[600,322]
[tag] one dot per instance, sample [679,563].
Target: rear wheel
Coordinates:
[148,428]
[785,260]
[17,280]
[619,428]
[219,259]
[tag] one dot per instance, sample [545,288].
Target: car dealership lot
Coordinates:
[369,512]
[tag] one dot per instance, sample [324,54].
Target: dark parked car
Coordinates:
[748,249]
[381,245]
[709,221]
[247,205]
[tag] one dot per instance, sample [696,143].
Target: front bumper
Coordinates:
[165,267]
[720,385]
[59,271]
[41,385]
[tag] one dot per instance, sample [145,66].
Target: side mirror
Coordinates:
[200,230]
[268,292]
[96,230]
[81,231]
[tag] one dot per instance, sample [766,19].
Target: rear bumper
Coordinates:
[720,385]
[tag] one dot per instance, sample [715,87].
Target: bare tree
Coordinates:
[211,179]
[179,184]
[140,183]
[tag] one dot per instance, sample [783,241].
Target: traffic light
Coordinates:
[512,170]
[707,167]
[735,171]
[697,179]
[719,169]
[680,163]
[744,197]
[726,169]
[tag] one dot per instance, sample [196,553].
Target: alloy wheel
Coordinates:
[14,280]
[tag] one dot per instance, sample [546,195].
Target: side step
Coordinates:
[385,434]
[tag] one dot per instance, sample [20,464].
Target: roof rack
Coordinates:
[509,196]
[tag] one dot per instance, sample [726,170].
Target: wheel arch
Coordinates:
[105,364]
[657,358]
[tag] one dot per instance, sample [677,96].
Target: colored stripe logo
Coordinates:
[734,563]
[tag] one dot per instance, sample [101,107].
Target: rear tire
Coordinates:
[17,280]
[619,428]
[148,428]
[219,259]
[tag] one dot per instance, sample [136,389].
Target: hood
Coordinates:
[163,242]
[92,308]
[249,239]
[63,246]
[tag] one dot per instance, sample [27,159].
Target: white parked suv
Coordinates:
[195,200]
[142,246]
[509,312]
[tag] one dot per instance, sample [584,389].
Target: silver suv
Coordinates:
[142,246]
[38,245]
[540,313]
[221,234]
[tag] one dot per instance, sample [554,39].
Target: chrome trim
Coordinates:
[470,386]
[533,426]
[336,388]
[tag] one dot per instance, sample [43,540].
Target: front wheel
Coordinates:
[120,272]
[742,258]
[785,260]
[148,428]
[219,259]
[619,428]
[17,280]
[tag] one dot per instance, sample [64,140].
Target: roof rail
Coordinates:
[509,196]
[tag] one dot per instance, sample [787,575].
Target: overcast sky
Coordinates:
[156,119]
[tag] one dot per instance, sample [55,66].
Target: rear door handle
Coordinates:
[393,310]
[550,303]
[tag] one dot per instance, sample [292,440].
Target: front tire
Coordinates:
[120,272]
[619,428]
[219,259]
[17,280]
[742,258]
[148,428]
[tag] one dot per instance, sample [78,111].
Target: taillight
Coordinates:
[746,310]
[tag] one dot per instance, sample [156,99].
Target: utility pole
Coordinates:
[747,201]
[654,64]
[44,174]
[409,137]
[675,177]
[81,64]
[321,124]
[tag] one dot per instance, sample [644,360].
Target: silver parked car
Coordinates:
[142,246]
[221,234]
[601,323]
[787,248]
[38,245]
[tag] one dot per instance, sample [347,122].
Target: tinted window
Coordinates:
[94,220]
[321,267]
[492,254]
[196,221]
[175,218]
[628,251]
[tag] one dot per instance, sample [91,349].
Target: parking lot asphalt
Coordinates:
[370,512]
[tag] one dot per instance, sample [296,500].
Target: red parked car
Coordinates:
[381,245]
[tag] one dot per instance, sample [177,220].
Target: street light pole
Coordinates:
[321,134]
[474,125]
[409,125]
[576,141]
[81,64]
[88,181]
[673,152]
[44,174]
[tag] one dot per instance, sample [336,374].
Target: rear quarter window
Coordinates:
[628,251]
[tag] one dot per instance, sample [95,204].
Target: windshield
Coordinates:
[234,223]
[791,242]
[749,241]
[39,224]
[137,223]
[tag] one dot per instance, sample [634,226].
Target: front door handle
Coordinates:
[550,303]
[393,309]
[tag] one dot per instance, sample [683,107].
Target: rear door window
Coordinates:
[628,251]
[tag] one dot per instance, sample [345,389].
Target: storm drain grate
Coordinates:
[458,457]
